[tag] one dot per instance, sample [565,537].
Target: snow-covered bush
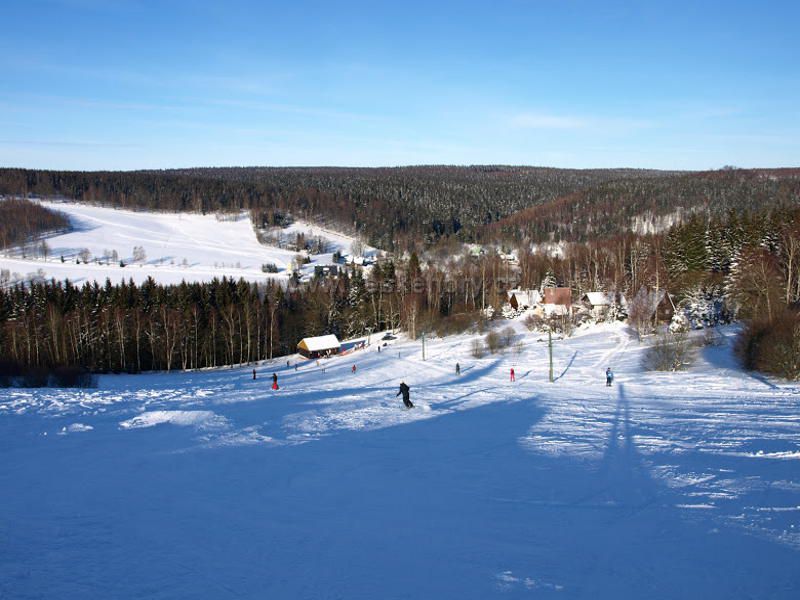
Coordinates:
[679,323]
[562,324]
[299,260]
[488,313]
[669,352]
[477,349]
[507,336]
[616,312]
[493,342]
[585,316]
[772,346]
[534,322]
[509,312]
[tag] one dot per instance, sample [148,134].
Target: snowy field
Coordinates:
[211,485]
[177,246]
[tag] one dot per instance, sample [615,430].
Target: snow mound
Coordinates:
[75,428]
[202,419]
[788,455]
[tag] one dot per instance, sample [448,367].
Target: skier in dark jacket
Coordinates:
[458,369]
[405,390]
[609,377]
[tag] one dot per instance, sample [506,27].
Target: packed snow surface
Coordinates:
[211,485]
[177,247]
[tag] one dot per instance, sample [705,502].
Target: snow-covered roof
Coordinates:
[598,298]
[529,297]
[653,298]
[321,342]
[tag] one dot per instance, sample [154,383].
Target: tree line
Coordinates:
[134,328]
[22,221]
[392,208]
[416,207]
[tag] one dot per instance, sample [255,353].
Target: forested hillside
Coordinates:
[649,204]
[399,208]
[391,207]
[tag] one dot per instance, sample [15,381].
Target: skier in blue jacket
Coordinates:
[609,377]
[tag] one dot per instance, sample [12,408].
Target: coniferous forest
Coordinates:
[400,208]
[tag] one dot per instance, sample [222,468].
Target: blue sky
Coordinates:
[124,84]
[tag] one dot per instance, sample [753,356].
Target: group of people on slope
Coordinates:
[405,391]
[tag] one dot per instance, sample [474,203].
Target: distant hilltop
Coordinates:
[402,207]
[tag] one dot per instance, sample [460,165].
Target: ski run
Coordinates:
[209,484]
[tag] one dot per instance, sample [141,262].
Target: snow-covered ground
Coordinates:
[177,247]
[210,485]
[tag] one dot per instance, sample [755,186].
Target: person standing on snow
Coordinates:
[458,369]
[513,377]
[354,369]
[609,377]
[274,381]
[406,391]
[254,374]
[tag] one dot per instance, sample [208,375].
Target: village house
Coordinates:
[556,302]
[523,299]
[599,303]
[657,304]
[319,347]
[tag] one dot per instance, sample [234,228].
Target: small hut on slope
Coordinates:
[320,346]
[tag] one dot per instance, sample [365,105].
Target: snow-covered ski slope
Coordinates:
[210,485]
[177,246]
